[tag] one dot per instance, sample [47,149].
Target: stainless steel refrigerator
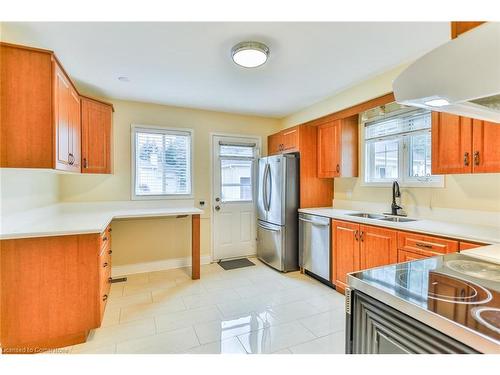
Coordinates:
[277,217]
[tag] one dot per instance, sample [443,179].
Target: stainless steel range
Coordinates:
[444,304]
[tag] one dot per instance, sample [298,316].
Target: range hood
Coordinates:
[460,77]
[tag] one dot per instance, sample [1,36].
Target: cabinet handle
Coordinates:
[105,264]
[105,297]
[71,158]
[356,235]
[420,244]
[110,280]
[105,238]
[110,251]
[361,236]
[84,162]
[466,159]
[337,168]
[476,158]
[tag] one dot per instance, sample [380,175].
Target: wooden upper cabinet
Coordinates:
[96,136]
[485,147]
[274,142]
[285,141]
[41,114]
[345,251]
[464,145]
[460,27]
[378,246]
[451,138]
[66,123]
[338,148]
[290,139]
[26,139]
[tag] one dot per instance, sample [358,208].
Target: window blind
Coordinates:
[397,125]
[162,162]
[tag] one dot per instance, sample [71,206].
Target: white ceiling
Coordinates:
[189,64]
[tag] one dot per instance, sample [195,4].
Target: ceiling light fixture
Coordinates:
[250,54]
[437,102]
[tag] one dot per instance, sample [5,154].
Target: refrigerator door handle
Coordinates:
[264,187]
[268,228]
[269,192]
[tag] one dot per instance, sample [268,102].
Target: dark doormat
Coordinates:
[235,263]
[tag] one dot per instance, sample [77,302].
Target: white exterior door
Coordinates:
[233,201]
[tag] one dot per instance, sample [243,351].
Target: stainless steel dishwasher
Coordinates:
[314,245]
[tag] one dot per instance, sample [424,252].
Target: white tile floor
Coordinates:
[248,310]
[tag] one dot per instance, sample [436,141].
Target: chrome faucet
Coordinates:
[395,194]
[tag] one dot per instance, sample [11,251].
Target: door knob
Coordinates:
[217,208]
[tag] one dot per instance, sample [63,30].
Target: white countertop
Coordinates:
[84,218]
[461,231]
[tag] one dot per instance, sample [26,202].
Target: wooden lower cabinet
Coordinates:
[357,247]
[52,291]
[468,245]
[379,246]
[345,251]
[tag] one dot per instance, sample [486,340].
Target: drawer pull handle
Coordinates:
[105,264]
[110,251]
[105,297]
[420,244]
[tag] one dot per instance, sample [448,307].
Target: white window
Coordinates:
[161,163]
[398,147]
[237,168]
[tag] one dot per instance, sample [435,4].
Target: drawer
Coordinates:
[426,245]
[469,245]
[408,256]
[105,237]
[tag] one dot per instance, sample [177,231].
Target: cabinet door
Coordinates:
[62,124]
[408,256]
[96,137]
[345,251]
[75,130]
[274,144]
[451,144]
[290,139]
[486,147]
[379,246]
[329,149]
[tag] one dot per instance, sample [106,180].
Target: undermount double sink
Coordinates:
[395,219]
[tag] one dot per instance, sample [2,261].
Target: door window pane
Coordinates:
[236,180]
[236,150]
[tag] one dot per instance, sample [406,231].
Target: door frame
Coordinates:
[253,138]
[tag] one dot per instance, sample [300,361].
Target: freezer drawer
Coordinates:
[314,244]
[270,244]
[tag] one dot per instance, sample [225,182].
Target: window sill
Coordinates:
[437,184]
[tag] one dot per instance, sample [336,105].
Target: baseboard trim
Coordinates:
[159,265]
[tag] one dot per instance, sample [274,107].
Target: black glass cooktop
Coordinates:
[463,289]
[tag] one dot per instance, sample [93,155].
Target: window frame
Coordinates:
[134,128]
[404,179]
